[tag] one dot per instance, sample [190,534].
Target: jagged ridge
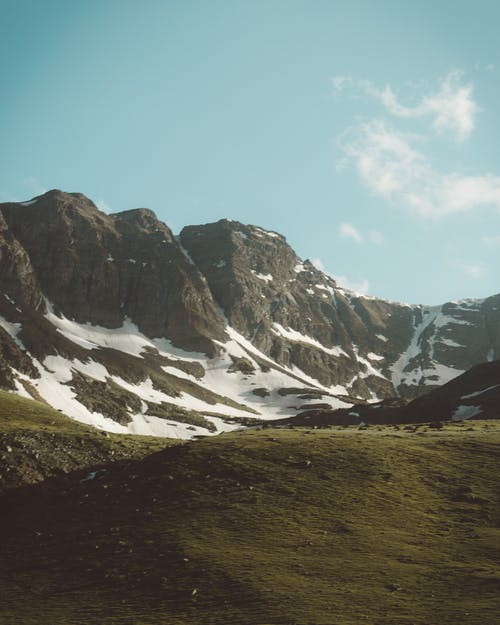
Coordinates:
[122,325]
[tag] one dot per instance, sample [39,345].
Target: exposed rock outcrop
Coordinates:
[116,321]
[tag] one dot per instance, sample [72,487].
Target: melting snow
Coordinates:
[12,330]
[413,349]
[294,335]
[370,369]
[267,277]
[450,343]
[267,232]
[56,371]
[324,287]
[443,373]
[127,338]
[485,390]
[466,412]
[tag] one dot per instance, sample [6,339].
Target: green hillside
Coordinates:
[37,442]
[288,527]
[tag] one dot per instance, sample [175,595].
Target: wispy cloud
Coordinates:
[491,240]
[103,206]
[318,263]
[339,83]
[451,105]
[393,169]
[475,270]
[348,231]
[361,287]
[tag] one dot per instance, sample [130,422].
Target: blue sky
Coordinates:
[365,132]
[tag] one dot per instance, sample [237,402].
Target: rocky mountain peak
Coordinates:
[102,269]
[271,326]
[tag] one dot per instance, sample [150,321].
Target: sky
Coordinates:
[367,133]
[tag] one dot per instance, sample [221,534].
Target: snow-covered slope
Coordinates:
[116,322]
[217,395]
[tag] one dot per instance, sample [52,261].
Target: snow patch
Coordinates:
[450,343]
[267,277]
[127,338]
[466,412]
[12,330]
[268,233]
[477,393]
[294,335]
[324,287]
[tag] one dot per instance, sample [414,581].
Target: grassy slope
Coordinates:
[323,527]
[37,442]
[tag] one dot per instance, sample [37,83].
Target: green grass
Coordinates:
[38,442]
[289,527]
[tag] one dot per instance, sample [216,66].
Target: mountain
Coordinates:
[473,395]
[124,326]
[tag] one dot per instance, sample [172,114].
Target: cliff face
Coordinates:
[101,269]
[297,315]
[116,321]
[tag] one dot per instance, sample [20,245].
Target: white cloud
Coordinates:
[318,263]
[475,270]
[103,206]
[348,231]
[491,240]
[490,67]
[392,169]
[339,83]
[343,282]
[451,107]
[360,287]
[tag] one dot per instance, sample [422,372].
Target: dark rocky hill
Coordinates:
[473,395]
[120,324]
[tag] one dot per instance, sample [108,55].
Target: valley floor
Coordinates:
[265,527]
